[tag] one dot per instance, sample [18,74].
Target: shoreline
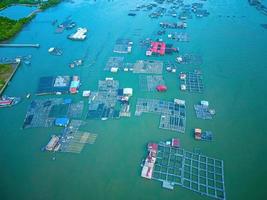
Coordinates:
[15,66]
[28,18]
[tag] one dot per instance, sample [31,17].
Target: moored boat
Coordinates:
[8,101]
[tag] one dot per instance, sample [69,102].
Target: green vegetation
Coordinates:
[6,3]
[9,27]
[49,4]
[5,71]
[43,4]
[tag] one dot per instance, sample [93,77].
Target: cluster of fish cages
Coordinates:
[114,62]
[148,66]
[190,59]
[65,25]
[173,116]
[71,139]
[174,8]
[42,113]
[196,172]
[179,37]
[53,85]
[102,104]
[74,142]
[193,82]
[123,46]
[172,122]
[150,82]
[203,112]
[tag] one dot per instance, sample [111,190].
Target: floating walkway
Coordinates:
[20,45]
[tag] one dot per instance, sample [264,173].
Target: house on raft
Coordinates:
[160,48]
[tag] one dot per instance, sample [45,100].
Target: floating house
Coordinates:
[175,142]
[161,88]
[8,101]
[86,93]
[205,136]
[148,166]
[128,92]
[198,132]
[52,144]
[160,48]
[79,35]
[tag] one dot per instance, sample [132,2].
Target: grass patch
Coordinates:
[5,72]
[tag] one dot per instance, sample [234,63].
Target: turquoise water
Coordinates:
[234,65]
[17,11]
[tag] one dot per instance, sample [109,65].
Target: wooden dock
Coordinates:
[20,45]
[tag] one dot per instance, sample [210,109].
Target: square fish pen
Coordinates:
[196,172]
[172,122]
[114,62]
[53,85]
[42,113]
[203,112]
[150,82]
[190,59]
[173,116]
[102,103]
[148,67]
[123,46]
[193,82]
[72,140]
[179,37]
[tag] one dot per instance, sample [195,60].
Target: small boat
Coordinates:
[28,96]
[27,62]
[161,88]
[131,14]
[9,101]
[55,51]
[169,69]
[72,65]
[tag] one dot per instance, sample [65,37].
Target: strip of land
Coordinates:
[9,27]
[5,72]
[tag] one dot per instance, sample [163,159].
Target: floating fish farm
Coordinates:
[189,59]
[114,62]
[42,113]
[150,82]
[203,112]
[107,101]
[71,140]
[53,85]
[148,67]
[123,46]
[196,172]
[173,115]
[192,81]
